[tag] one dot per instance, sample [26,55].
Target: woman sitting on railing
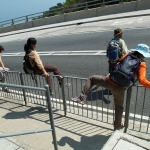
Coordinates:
[141,51]
[38,66]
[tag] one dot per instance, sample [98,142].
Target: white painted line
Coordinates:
[61,53]
[97,29]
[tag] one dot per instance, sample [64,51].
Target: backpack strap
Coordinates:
[113,40]
[117,40]
[120,47]
[141,60]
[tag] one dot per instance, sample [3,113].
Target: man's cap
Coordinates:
[142,49]
[1,48]
[118,31]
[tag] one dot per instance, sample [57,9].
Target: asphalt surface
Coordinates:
[77,42]
[92,36]
[81,66]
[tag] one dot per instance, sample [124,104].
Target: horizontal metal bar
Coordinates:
[13,72]
[23,19]
[22,87]
[6,23]
[75,77]
[24,133]
[112,1]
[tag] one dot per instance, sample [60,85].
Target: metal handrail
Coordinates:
[50,112]
[61,10]
[99,105]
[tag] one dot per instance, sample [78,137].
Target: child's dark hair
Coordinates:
[28,46]
[1,48]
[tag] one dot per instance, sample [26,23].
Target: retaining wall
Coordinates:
[87,13]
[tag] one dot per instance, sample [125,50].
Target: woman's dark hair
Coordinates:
[28,46]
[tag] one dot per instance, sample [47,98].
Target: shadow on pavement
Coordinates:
[18,111]
[82,133]
[25,114]
[96,94]
[86,143]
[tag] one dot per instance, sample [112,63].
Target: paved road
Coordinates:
[90,36]
[82,66]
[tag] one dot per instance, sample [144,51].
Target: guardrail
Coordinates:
[61,10]
[99,105]
[137,110]
[34,97]
[50,112]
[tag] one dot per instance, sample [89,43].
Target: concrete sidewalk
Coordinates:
[73,132]
[13,144]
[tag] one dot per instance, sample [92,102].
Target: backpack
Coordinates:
[113,50]
[124,71]
[28,69]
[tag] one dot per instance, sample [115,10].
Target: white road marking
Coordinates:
[115,23]
[61,53]
[98,28]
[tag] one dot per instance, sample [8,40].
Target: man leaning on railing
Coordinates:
[115,81]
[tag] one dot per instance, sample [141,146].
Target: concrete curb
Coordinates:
[78,22]
[117,135]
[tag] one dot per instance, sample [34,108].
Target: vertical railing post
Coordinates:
[43,15]
[51,116]
[12,22]
[127,109]
[86,5]
[23,90]
[103,2]
[27,19]
[63,10]
[63,95]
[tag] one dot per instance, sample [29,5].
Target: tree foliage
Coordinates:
[76,5]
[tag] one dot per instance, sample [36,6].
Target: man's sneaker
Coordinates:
[6,90]
[78,100]
[67,84]
[51,93]
[121,126]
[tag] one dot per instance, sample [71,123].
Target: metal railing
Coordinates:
[29,96]
[137,109]
[60,10]
[99,105]
[50,112]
